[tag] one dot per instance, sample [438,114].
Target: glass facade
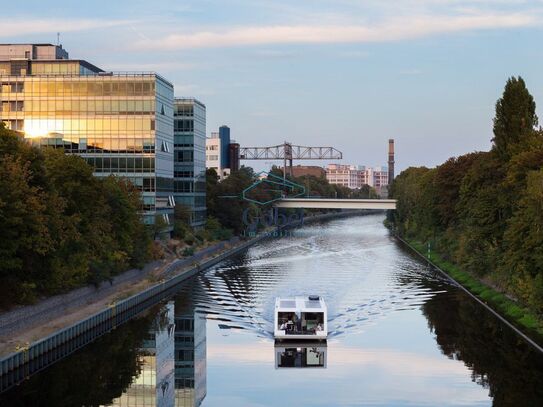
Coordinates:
[121,124]
[190,158]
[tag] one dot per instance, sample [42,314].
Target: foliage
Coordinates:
[223,198]
[61,227]
[484,211]
[515,118]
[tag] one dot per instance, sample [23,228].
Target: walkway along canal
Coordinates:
[400,334]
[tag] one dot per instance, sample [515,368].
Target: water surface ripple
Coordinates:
[400,335]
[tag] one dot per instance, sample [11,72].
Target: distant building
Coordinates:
[303,170]
[233,156]
[190,158]
[355,177]
[380,177]
[349,176]
[120,123]
[219,152]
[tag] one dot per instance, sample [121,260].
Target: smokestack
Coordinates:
[390,160]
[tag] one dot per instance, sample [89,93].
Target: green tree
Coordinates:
[522,264]
[61,227]
[515,118]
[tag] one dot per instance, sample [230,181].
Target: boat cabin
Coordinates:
[301,318]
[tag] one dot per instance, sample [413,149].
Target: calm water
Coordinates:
[401,336]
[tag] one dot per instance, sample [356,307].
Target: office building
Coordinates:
[190,158]
[120,123]
[218,152]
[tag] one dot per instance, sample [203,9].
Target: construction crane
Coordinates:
[289,152]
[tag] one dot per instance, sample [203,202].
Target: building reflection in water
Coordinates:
[190,359]
[300,355]
[173,363]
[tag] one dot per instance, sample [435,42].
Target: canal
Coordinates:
[401,335]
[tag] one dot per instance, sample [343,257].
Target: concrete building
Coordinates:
[190,158]
[354,176]
[349,176]
[218,152]
[120,123]
[380,177]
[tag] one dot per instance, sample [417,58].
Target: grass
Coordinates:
[508,308]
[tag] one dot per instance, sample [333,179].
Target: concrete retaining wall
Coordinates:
[19,365]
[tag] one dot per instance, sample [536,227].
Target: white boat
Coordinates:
[301,318]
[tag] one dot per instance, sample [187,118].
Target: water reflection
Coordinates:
[92,376]
[154,384]
[288,355]
[500,361]
[400,335]
[172,360]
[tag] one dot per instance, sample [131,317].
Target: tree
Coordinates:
[61,227]
[522,265]
[515,118]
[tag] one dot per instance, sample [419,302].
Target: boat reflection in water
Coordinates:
[300,355]
[172,362]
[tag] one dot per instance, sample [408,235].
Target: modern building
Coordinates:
[218,152]
[190,158]
[120,123]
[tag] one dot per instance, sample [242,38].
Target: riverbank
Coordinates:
[23,327]
[505,308]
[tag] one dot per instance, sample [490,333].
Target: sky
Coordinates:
[344,73]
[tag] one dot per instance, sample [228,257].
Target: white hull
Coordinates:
[300,318]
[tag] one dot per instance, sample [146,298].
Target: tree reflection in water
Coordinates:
[92,376]
[466,331]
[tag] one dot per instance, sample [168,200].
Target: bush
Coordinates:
[188,251]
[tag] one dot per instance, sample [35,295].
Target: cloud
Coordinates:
[273,53]
[152,66]
[391,29]
[19,27]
